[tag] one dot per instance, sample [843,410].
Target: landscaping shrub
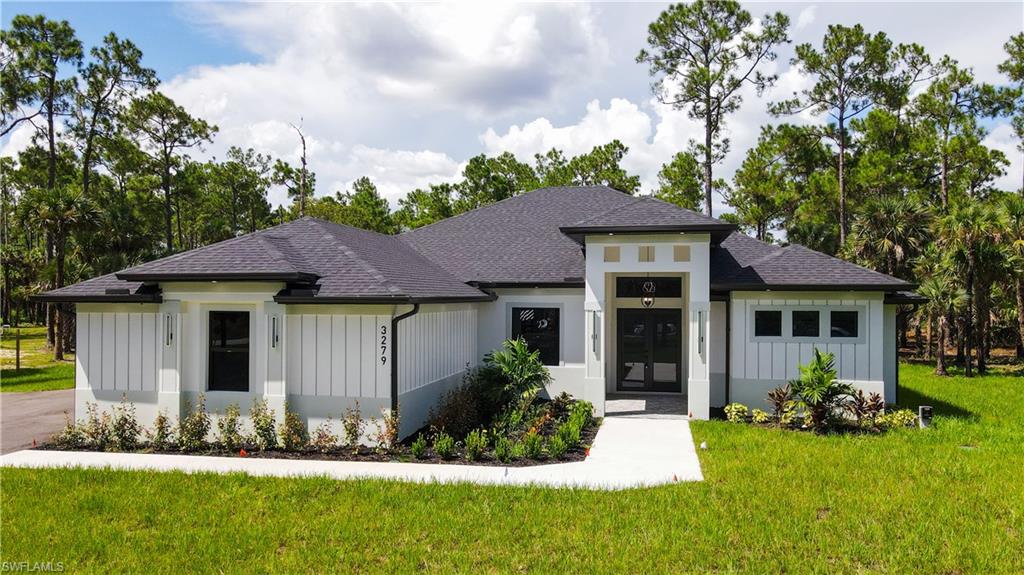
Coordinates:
[818,390]
[264,432]
[352,424]
[557,447]
[865,408]
[323,439]
[418,448]
[388,430]
[760,416]
[569,432]
[72,436]
[98,434]
[896,419]
[444,445]
[526,375]
[533,445]
[294,433]
[229,427]
[736,412]
[476,444]
[161,436]
[194,427]
[780,398]
[504,449]
[582,411]
[125,429]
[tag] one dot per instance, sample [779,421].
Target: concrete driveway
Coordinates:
[32,415]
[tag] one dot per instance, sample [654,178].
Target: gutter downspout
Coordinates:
[394,353]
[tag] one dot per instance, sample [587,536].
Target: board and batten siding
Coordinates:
[117,351]
[338,355]
[435,345]
[757,365]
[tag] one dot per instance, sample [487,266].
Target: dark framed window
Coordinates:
[806,323]
[539,327]
[229,351]
[642,286]
[844,324]
[767,323]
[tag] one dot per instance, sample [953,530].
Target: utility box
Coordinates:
[924,416]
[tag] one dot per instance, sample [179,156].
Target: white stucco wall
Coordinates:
[697,306]
[759,364]
[495,325]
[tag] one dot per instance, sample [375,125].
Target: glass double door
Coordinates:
[650,350]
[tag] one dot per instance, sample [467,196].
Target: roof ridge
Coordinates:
[176,256]
[512,197]
[634,200]
[694,212]
[348,251]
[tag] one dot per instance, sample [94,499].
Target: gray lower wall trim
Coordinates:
[415,405]
[717,397]
[754,392]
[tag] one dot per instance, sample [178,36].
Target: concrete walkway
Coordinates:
[29,415]
[626,453]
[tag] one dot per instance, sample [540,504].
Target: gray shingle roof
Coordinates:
[647,213]
[792,267]
[521,240]
[517,240]
[324,261]
[105,288]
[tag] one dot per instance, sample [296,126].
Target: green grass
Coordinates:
[949,499]
[39,372]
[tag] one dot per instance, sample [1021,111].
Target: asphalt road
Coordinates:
[32,415]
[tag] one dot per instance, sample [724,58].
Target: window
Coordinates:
[844,324]
[646,254]
[611,253]
[681,253]
[229,351]
[767,323]
[805,323]
[635,287]
[538,326]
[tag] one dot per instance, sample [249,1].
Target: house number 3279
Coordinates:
[383,344]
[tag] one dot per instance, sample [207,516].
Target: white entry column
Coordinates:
[698,385]
[169,371]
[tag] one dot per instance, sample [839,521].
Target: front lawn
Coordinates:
[945,500]
[39,372]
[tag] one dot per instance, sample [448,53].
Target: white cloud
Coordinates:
[1003,139]
[17,141]
[355,74]
[806,17]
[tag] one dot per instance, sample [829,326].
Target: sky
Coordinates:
[406,93]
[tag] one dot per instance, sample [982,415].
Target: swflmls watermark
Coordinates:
[31,566]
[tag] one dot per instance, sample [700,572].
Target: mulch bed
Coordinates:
[369,454]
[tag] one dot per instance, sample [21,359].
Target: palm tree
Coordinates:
[61,211]
[1013,209]
[944,299]
[888,233]
[962,233]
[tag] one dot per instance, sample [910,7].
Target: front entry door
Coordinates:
[650,350]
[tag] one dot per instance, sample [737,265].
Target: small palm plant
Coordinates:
[818,390]
[525,375]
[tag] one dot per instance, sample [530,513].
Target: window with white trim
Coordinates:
[539,327]
[768,323]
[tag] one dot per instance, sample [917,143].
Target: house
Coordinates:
[618,293]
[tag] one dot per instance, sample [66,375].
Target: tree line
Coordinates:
[896,177]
